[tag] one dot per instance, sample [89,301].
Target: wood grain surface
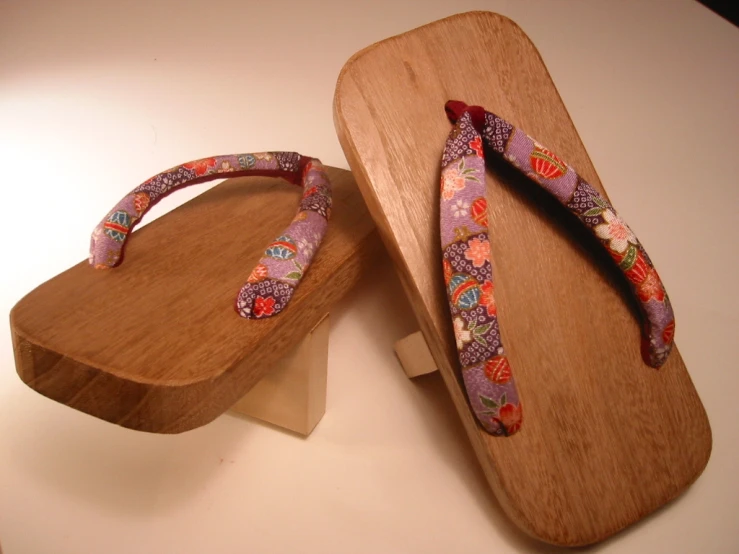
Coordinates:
[605,439]
[156,344]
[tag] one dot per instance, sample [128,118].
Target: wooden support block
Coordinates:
[293,393]
[415,356]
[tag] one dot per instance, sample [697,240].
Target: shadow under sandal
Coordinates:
[590,437]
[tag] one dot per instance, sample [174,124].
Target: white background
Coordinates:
[95,97]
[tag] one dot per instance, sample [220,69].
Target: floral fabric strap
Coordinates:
[272,282]
[468,275]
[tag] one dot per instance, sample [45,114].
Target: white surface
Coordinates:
[93,100]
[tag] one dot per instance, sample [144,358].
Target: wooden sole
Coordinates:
[605,439]
[155,344]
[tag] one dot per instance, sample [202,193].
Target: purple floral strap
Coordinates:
[468,275]
[272,282]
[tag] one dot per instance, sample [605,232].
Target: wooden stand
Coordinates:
[293,394]
[415,356]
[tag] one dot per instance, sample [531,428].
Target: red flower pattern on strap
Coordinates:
[487,298]
[201,167]
[264,306]
[476,145]
[510,417]
[258,273]
[478,252]
[651,287]
[140,203]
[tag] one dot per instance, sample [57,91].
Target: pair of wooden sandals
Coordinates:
[155,344]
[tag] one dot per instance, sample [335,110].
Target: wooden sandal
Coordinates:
[590,437]
[155,344]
